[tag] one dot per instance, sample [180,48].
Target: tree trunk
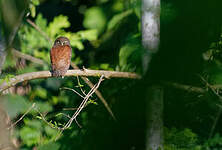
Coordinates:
[150,41]
[154,130]
[150,29]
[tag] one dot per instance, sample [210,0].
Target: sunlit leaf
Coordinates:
[88,34]
[30,136]
[95,19]
[57,25]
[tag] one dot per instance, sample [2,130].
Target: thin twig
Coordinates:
[79,85]
[64,115]
[39,30]
[98,93]
[44,119]
[65,88]
[70,108]
[83,103]
[81,106]
[30,108]
[215,122]
[214,90]
[86,80]
[188,88]
[78,123]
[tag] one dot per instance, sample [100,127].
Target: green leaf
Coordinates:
[32,10]
[57,25]
[118,6]
[10,61]
[130,54]
[78,44]
[15,105]
[90,101]
[41,22]
[95,19]
[105,67]
[30,136]
[35,2]
[44,107]
[117,19]
[41,92]
[89,35]
[33,123]
[50,131]
[32,42]
[39,117]
[75,40]
[49,146]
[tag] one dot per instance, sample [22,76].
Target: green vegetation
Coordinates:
[106,35]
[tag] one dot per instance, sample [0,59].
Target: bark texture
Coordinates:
[154,133]
[150,41]
[150,29]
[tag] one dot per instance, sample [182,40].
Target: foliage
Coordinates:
[32,39]
[107,35]
[182,140]
[186,139]
[130,54]
[214,143]
[95,19]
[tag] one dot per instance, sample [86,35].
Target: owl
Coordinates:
[60,56]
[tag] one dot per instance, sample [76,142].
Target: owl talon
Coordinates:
[83,68]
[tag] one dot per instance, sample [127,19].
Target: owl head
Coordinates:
[62,41]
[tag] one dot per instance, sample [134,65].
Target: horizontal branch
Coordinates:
[28,57]
[188,88]
[85,72]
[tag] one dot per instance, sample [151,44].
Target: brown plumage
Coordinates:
[60,55]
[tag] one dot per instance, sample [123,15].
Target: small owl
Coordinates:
[60,55]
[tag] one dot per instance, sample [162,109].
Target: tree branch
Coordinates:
[47,74]
[98,93]
[39,30]
[188,88]
[86,80]
[28,57]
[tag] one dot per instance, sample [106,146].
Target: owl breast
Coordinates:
[60,60]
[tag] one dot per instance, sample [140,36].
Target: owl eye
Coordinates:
[58,42]
[65,43]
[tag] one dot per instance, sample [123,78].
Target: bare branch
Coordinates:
[188,88]
[216,92]
[47,74]
[82,105]
[98,93]
[28,57]
[65,88]
[39,30]
[30,108]
[86,80]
